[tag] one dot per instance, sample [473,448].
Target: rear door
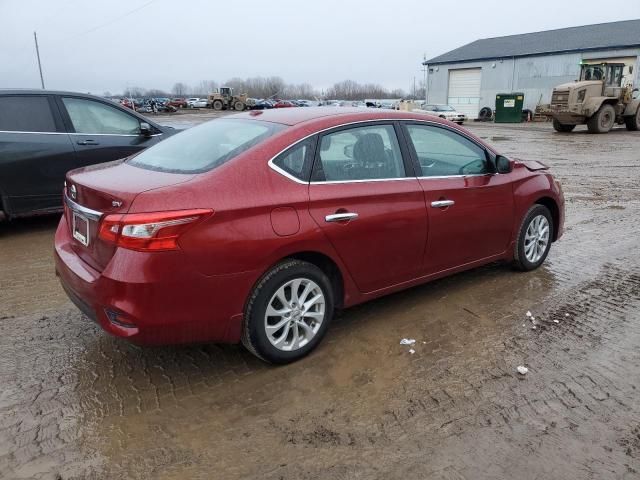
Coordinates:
[102,132]
[365,198]
[470,207]
[35,154]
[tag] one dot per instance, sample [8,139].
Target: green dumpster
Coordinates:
[509,107]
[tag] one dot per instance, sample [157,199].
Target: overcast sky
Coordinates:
[107,45]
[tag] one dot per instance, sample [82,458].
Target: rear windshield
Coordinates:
[205,147]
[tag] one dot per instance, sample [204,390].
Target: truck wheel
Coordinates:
[602,121]
[633,122]
[239,106]
[562,127]
[217,105]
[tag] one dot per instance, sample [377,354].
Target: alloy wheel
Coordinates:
[294,314]
[536,239]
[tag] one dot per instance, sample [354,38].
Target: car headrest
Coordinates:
[370,149]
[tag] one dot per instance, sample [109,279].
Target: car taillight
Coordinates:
[149,231]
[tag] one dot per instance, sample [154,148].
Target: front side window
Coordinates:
[295,160]
[21,113]
[205,146]
[359,153]
[89,116]
[442,152]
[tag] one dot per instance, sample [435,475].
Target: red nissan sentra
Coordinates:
[257,226]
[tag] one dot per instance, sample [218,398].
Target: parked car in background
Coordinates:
[200,103]
[44,134]
[127,102]
[178,102]
[284,104]
[256,227]
[445,111]
[192,100]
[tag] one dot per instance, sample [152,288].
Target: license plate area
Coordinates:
[81,228]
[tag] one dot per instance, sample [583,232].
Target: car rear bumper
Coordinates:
[153,299]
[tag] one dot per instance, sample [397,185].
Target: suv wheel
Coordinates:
[562,127]
[288,312]
[534,238]
[602,121]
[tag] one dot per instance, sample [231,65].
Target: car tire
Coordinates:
[485,113]
[282,345]
[632,122]
[532,245]
[602,121]
[562,127]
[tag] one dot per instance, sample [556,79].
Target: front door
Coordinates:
[371,211]
[470,207]
[102,132]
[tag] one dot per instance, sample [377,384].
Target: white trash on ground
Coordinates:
[528,313]
[522,370]
[412,351]
[407,341]
[556,321]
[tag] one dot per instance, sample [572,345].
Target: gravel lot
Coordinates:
[77,403]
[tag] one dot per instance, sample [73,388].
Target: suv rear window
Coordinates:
[205,147]
[23,113]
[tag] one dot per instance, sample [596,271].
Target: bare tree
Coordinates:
[204,88]
[180,89]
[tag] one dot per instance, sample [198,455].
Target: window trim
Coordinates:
[401,123]
[489,155]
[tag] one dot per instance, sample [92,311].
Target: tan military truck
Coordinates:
[223,99]
[601,98]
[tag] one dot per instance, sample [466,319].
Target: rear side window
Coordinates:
[296,160]
[26,114]
[359,153]
[206,146]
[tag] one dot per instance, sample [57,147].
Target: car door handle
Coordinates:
[340,217]
[442,203]
[88,142]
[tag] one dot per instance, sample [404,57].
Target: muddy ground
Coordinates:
[77,403]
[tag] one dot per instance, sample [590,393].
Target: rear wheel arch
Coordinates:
[328,266]
[552,206]
[321,260]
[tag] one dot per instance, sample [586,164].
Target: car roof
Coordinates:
[39,91]
[294,116]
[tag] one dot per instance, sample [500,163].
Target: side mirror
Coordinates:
[145,129]
[503,164]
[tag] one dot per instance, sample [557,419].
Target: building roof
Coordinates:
[573,39]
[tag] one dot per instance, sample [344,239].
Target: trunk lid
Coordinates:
[99,190]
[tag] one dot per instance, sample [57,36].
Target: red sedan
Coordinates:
[256,227]
[284,104]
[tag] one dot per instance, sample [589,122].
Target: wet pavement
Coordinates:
[77,403]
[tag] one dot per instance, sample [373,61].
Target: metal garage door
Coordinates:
[464,90]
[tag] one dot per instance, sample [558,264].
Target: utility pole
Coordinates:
[426,77]
[35,37]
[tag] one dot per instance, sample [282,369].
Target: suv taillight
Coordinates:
[149,231]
